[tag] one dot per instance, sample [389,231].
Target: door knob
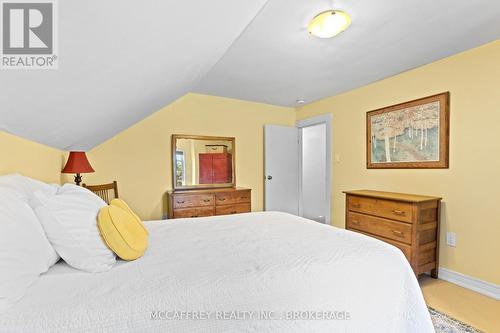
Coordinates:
[269,177]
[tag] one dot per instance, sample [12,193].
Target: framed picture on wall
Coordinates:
[409,135]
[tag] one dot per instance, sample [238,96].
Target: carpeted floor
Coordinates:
[446,324]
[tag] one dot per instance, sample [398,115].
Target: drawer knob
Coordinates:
[206,200]
[180,202]
[355,222]
[398,233]
[222,199]
[234,212]
[355,205]
[398,212]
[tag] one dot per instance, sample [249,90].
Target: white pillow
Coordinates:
[25,186]
[25,252]
[70,222]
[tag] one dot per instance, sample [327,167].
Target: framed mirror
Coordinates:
[202,162]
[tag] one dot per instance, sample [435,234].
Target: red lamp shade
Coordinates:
[77,163]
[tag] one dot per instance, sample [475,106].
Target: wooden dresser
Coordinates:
[198,203]
[409,222]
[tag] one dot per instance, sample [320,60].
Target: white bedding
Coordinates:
[273,263]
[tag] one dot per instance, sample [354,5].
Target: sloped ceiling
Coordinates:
[275,61]
[121,60]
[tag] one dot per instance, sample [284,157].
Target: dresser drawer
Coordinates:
[193,212]
[405,248]
[234,197]
[192,200]
[379,226]
[234,209]
[394,210]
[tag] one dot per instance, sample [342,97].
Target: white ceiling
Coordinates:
[121,60]
[275,61]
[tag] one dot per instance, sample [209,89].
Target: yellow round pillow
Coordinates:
[122,230]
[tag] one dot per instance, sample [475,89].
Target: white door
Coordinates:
[281,167]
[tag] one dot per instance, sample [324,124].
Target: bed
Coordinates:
[255,272]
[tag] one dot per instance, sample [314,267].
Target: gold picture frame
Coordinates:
[410,135]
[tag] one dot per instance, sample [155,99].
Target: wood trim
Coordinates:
[444,134]
[173,146]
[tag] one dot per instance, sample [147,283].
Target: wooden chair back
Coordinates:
[103,190]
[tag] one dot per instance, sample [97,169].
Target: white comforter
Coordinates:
[229,268]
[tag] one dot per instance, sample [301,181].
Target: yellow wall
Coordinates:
[29,158]
[470,187]
[139,158]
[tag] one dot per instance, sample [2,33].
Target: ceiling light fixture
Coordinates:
[329,23]
[300,101]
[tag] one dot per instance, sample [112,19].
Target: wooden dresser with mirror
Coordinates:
[204,178]
[407,221]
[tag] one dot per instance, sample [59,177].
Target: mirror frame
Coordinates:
[176,137]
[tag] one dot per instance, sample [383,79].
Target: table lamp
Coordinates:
[77,163]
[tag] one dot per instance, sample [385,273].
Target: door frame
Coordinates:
[317,120]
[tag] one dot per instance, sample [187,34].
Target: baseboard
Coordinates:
[469,282]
